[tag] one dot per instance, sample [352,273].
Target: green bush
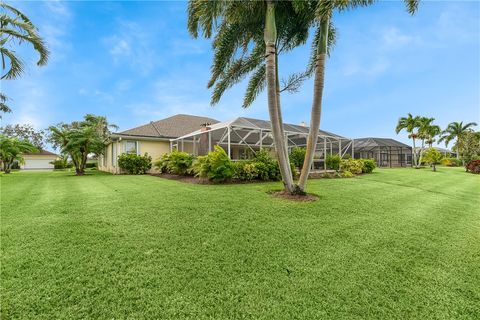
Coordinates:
[267,167]
[245,170]
[346,174]
[215,166]
[351,165]
[333,162]
[91,165]
[297,157]
[59,163]
[135,164]
[451,162]
[368,165]
[175,162]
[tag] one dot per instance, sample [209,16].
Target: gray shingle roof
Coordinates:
[172,127]
[378,142]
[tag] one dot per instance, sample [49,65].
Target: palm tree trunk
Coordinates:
[317,104]
[270,35]
[414,154]
[279,112]
[421,154]
[458,154]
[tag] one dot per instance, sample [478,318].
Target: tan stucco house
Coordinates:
[38,161]
[152,138]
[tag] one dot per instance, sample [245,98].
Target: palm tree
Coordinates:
[11,149]
[431,132]
[3,104]
[250,36]
[323,12]
[424,124]
[17,29]
[409,123]
[455,130]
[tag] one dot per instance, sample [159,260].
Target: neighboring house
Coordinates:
[152,138]
[443,151]
[39,160]
[386,152]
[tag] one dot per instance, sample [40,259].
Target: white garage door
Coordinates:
[38,164]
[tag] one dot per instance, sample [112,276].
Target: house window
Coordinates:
[130,146]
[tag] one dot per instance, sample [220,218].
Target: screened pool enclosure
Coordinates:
[242,137]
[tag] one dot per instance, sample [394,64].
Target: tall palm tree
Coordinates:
[455,130]
[409,123]
[249,37]
[424,124]
[17,28]
[431,132]
[323,13]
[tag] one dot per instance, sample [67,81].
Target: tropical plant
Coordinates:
[250,36]
[133,163]
[433,157]
[17,28]
[468,146]
[81,138]
[11,149]
[3,104]
[175,162]
[332,162]
[297,157]
[351,165]
[473,166]
[451,162]
[455,130]
[410,123]
[323,14]
[215,166]
[368,165]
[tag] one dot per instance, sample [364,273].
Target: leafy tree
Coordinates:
[11,149]
[81,138]
[468,146]
[409,123]
[25,132]
[433,157]
[455,130]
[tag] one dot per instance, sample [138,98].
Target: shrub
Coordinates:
[451,162]
[267,167]
[60,163]
[368,165]
[135,164]
[175,162]
[351,165]
[473,166]
[215,166]
[91,165]
[333,162]
[346,174]
[297,157]
[245,170]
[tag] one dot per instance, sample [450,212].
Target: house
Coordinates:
[152,138]
[240,138]
[386,152]
[39,160]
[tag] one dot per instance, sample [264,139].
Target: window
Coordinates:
[130,146]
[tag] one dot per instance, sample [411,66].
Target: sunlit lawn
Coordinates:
[396,244]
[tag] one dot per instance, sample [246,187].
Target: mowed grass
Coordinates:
[396,244]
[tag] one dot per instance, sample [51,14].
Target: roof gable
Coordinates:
[171,127]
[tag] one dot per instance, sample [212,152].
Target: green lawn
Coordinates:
[396,244]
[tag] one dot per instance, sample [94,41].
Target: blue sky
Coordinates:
[135,62]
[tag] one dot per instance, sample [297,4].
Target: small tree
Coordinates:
[433,157]
[11,149]
[25,132]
